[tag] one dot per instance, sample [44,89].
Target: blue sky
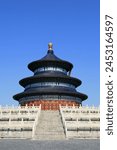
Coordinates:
[26,28]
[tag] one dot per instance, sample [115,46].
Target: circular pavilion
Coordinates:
[51,85]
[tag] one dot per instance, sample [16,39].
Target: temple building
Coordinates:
[50,106]
[51,85]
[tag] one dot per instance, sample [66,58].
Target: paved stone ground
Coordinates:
[78,144]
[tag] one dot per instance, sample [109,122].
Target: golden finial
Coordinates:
[50,46]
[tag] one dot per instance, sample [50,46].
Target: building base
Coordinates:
[51,104]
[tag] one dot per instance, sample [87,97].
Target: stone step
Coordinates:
[50,133]
[49,126]
[45,119]
[45,130]
[50,123]
[49,137]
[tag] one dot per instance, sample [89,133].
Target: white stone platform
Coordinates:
[34,123]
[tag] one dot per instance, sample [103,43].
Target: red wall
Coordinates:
[50,104]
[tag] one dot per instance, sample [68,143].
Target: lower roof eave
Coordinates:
[26,94]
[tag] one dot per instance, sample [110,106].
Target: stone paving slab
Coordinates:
[78,144]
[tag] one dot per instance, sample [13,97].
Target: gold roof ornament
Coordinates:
[50,46]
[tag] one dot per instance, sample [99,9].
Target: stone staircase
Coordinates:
[49,126]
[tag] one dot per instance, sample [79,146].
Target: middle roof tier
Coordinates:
[50,77]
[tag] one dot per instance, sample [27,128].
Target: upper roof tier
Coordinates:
[50,60]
